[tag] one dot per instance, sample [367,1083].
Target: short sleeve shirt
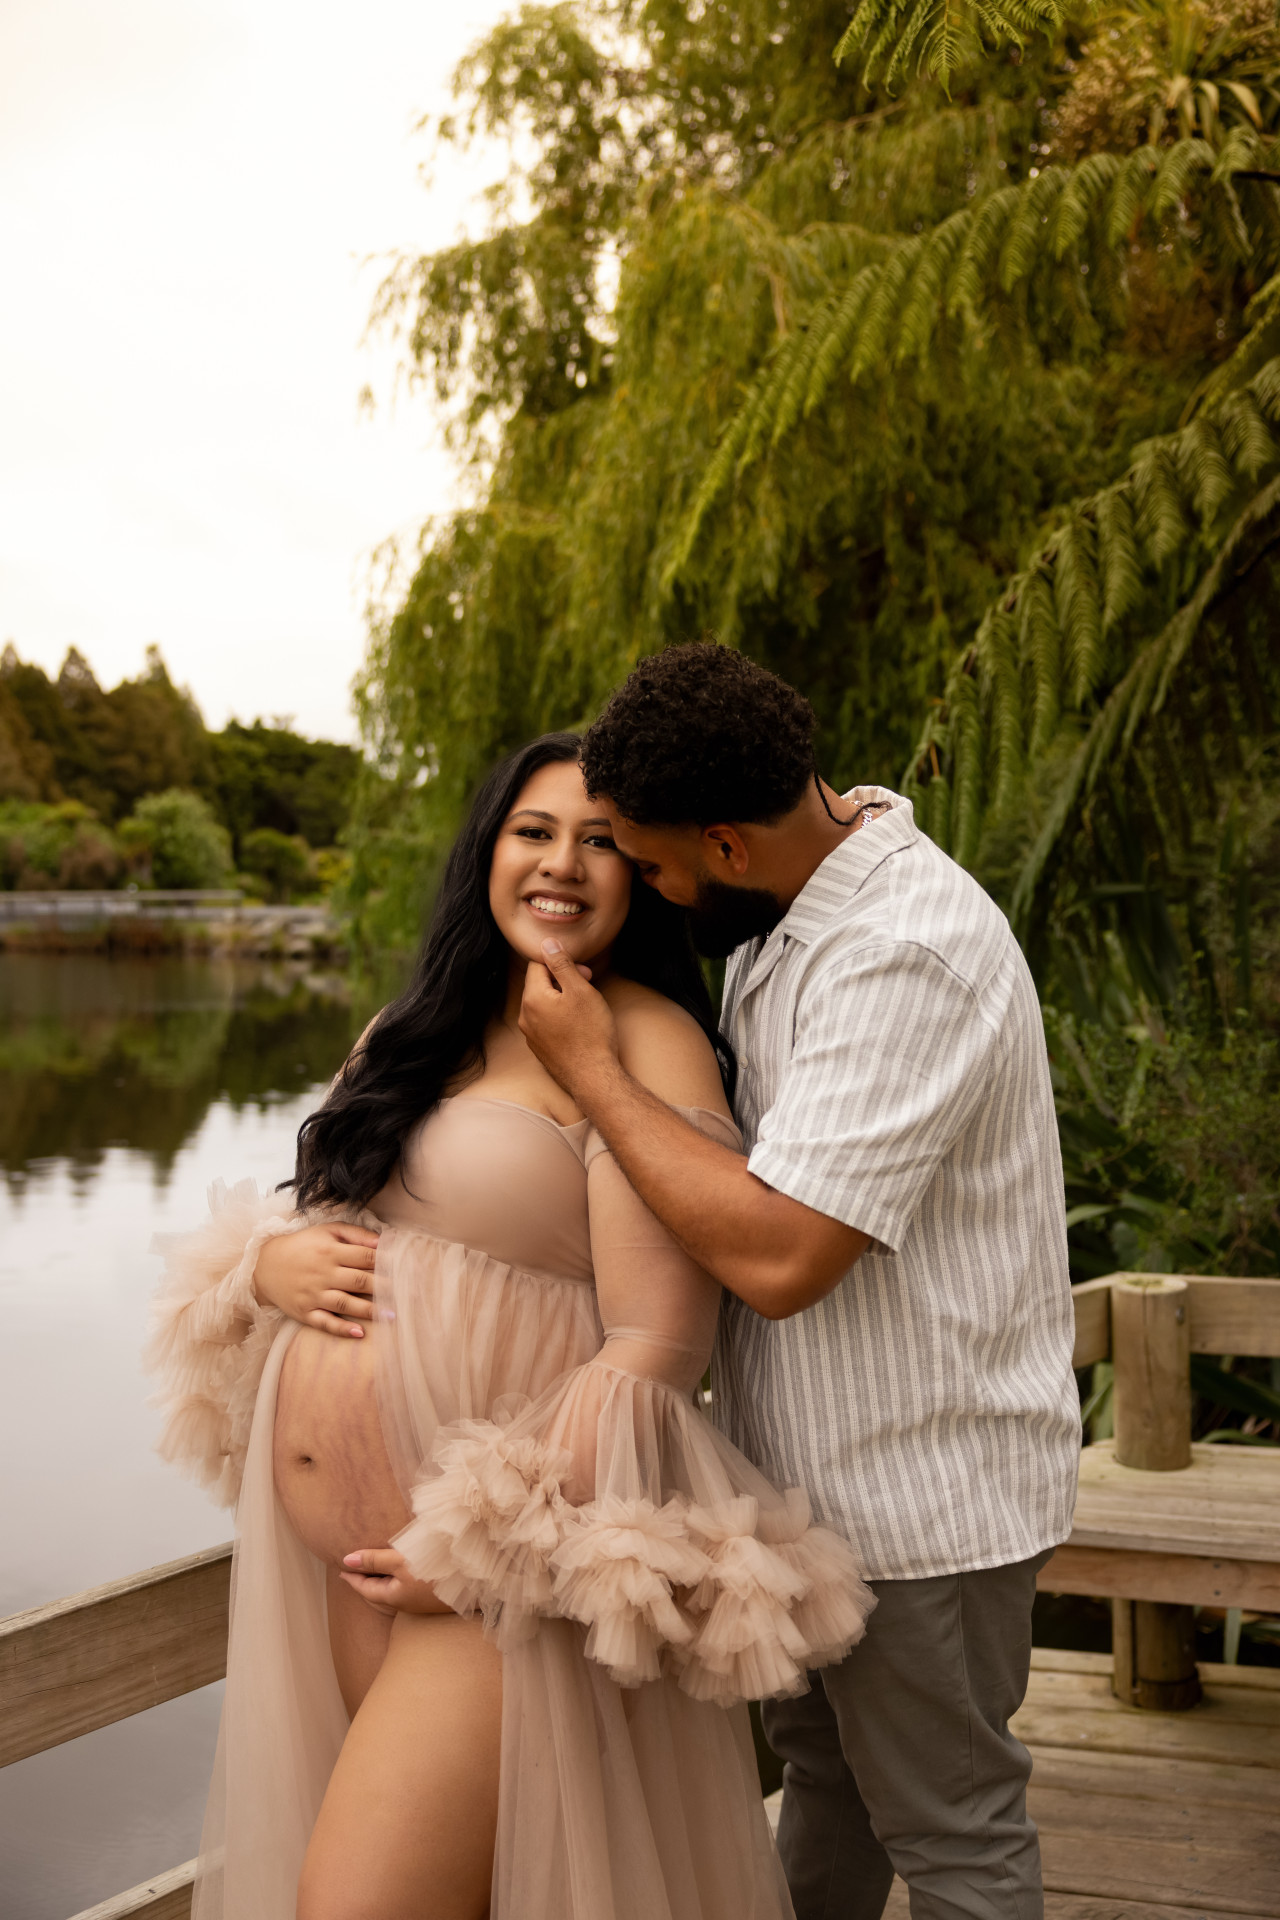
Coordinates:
[893,1075]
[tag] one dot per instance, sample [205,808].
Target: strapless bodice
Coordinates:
[500,1178]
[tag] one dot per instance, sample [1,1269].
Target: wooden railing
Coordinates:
[83,1663]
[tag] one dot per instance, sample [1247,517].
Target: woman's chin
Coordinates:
[582,945]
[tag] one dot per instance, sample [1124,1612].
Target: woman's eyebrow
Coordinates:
[537,814]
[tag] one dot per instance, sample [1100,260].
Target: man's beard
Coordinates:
[722,917]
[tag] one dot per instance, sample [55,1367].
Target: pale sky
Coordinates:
[189,192]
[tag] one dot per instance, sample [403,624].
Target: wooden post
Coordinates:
[1151,1348]
[1154,1653]
[1153,1643]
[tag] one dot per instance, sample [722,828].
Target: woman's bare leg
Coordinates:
[358,1640]
[407,1828]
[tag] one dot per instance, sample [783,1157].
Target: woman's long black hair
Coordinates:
[348,1150]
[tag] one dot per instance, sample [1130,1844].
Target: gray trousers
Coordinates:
[901,1759]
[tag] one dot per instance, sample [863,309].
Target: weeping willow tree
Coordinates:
[932,356]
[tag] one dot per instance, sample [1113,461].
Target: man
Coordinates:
[898,1334]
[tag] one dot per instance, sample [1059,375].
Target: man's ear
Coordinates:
[725,851]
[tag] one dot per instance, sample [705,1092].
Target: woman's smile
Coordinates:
[555,906]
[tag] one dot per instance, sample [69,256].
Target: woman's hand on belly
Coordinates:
[321,1276]
[381,1576]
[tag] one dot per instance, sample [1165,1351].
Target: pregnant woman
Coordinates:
[500,1589]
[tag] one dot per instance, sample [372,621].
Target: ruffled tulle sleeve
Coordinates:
[612,1501]
[210,1336]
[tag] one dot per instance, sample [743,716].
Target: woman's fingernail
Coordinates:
[357,1333]
[351,1559]
[551,946]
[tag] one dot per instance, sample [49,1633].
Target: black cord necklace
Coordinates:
[858,817]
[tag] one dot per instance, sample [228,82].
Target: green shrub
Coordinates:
[1170,1149]
[181,840]
[63,845]
[283,860]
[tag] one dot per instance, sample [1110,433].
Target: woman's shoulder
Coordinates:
[663,1047]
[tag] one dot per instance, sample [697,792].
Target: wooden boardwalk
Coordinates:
[1152,1816]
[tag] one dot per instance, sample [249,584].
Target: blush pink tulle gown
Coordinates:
[539,1347]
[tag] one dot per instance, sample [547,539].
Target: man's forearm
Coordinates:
[731,1223]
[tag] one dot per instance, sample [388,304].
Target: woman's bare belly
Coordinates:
[332,1472]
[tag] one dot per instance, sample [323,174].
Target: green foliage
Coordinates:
[185,845]
[66,740]
[282,860]
[263,777]
[1170,1151]
[962,412]
[105,749]
[937,36]
[56,846]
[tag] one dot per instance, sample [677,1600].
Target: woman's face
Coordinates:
[556,871]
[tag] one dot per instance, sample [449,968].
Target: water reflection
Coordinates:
[126,1086]
[96,1053]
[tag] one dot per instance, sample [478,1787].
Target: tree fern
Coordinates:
[971,266]
[887,33]
[1112,550]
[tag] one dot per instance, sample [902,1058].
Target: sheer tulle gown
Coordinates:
[537,1348]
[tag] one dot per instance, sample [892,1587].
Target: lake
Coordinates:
[126,1087]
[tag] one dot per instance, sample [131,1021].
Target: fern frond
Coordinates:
[1162,518]
[1084,189]
[1079,605]
[966,749]
[886,32]
[997,651]
[924,300]
[1179,166]
[1246,430]
[844,321]
[1258,346]
[1023,240]
[1119,563]
[1182,629]
[1128,192]
[720,469]
[1040,641]
[1206,467]
[880,318]
[799,374]
[982,247]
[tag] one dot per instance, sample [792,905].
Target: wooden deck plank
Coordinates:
[1091,1693]
[1225,1505]
[1172,1854]
[1067,1906]
[1071,1906]
[1060,1718]
[81,1663]
[1138,1779]
[1212,1672]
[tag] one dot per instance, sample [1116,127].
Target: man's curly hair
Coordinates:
[699,734]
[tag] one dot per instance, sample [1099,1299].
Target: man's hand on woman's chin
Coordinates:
[569,1025]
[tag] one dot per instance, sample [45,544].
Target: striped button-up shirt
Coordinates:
[893,1075]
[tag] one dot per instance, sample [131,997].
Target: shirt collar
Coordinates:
[848,866]
[841,874]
